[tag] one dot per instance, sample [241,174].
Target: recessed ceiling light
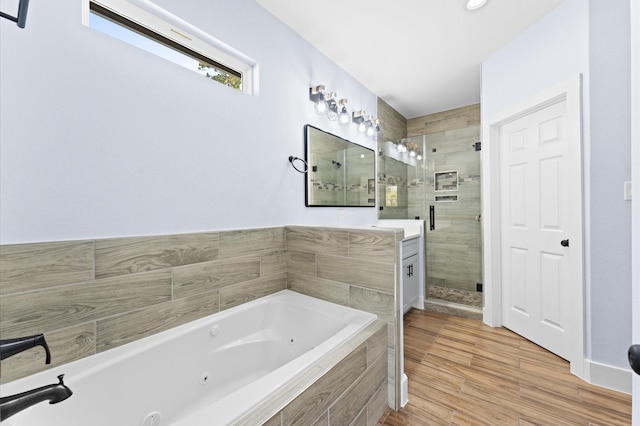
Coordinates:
[475,4]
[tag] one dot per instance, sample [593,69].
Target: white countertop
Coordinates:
[412,228]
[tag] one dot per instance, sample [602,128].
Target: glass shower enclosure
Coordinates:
[436,178]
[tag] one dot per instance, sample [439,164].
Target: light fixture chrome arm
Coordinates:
[21,17]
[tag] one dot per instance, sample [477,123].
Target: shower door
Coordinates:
[452,211]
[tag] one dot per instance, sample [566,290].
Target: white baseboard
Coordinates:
[404,398]
[607,376]
[420,303]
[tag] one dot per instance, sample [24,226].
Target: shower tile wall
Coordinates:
[453,250]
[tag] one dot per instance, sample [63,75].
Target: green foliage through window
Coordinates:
[220,76]
[118,26]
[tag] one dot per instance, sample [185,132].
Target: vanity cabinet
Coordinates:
[410,273]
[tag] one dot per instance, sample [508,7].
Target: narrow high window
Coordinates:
[155,30]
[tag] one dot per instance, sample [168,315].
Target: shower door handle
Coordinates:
[432,218]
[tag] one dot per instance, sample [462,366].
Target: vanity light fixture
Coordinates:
[475,4]
[344,118]
[359,120]
[376,128]
[336,110]
[371,130]
[332,106]
[316,95]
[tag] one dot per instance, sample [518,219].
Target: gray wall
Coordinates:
[591,38]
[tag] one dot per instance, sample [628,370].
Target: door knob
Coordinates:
[564,243]
[634,358]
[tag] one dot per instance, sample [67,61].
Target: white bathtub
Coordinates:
[207,372]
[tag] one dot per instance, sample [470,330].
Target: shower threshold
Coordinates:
[452,308]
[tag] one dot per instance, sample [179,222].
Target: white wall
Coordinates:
[100,139]
[592,39]
[610,167]
[635,167]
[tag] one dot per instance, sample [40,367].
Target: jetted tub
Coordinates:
[208,372]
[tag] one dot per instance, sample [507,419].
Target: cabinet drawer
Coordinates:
[410,247]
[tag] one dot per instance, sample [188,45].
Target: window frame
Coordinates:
[167,29]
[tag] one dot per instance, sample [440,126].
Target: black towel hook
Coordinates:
[21,18]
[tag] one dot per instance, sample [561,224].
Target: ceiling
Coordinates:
[420,56]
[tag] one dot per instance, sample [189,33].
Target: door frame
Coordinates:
[635,206]
[570,90]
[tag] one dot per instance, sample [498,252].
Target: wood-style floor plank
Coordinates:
[463,372]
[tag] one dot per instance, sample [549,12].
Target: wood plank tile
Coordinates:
[374,275]
[377,404]
[509,380]
[25,267]
[66,345]
[207,276]
[301,263]
[65,306]
[130,326]
[373,246]
[314,401]
[355,399]
[246,291]
[381,304]
[119,256]
[273,262]
[250,241]
[317,240]
[331,291]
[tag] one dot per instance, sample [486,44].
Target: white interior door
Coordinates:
[541,252]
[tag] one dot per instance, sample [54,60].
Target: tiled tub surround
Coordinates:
[90,296]
[354,268]
[258,333]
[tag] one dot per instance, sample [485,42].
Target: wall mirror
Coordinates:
[340,173]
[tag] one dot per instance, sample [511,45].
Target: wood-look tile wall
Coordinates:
[350,267]
[90,296]
[458,118]
[394,124]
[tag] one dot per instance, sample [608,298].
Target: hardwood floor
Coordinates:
[462,372]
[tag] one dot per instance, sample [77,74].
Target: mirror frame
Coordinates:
[371,186]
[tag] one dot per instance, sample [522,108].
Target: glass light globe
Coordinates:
[344,119]
[320,107]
